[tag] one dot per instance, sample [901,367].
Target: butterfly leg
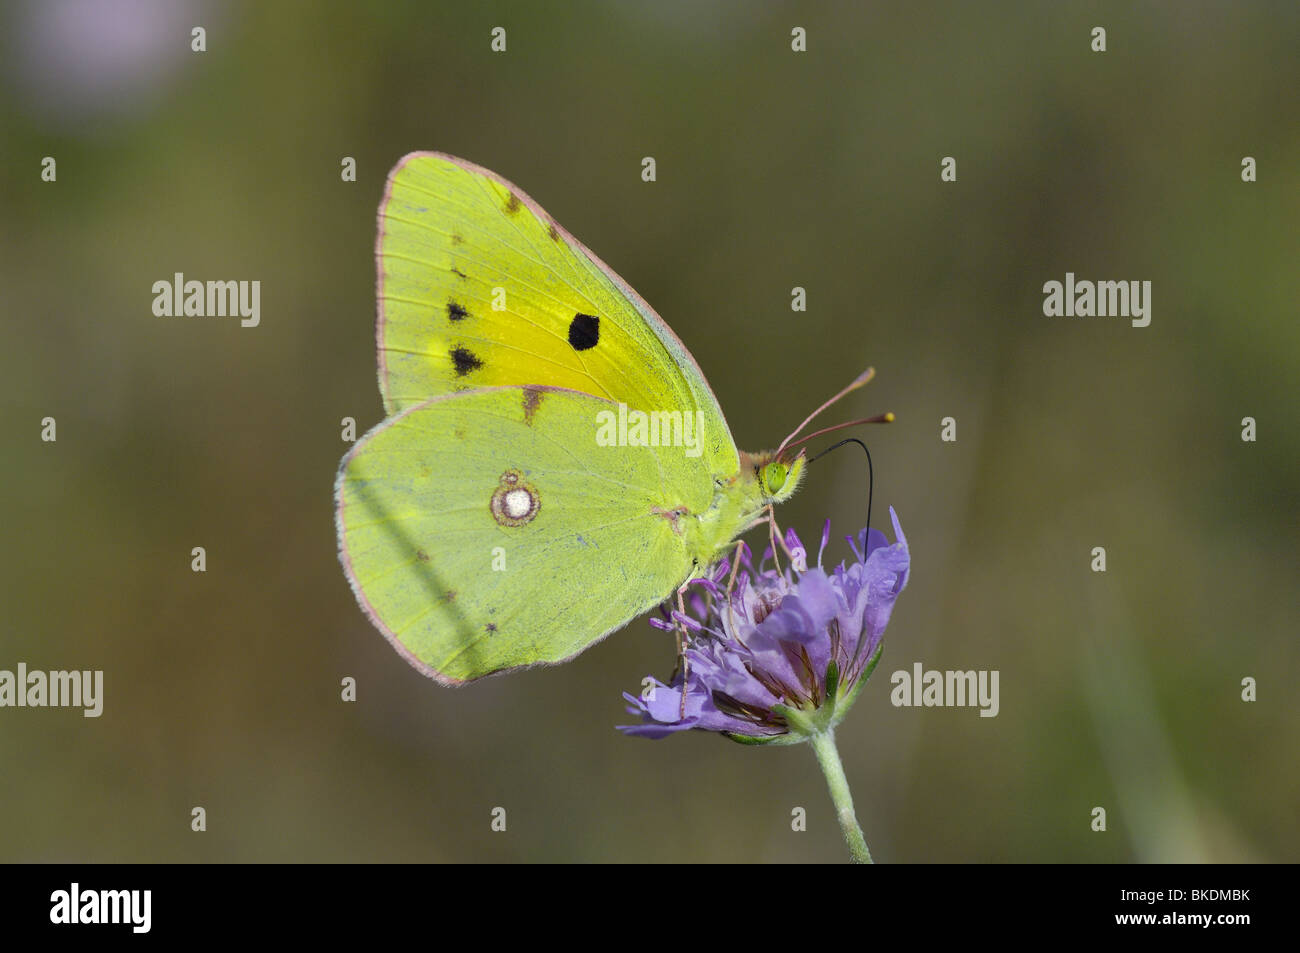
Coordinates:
[731,585]
[735,568]
[776,539]
[683,660]
[771,513]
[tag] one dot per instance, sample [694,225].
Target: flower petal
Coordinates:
[764,650]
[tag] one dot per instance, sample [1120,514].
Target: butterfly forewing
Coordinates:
[479,287]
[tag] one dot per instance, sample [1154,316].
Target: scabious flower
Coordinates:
[782,657]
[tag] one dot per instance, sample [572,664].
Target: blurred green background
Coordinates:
[775,169]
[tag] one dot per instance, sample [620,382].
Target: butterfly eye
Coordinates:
[774,475]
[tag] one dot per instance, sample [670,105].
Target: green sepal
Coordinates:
[832,688]
[786,739]
[852,696]
[800,721]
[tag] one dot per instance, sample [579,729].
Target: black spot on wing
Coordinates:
[584,332]
[512,204]
[456,271]
[456,312]
[553,232]
[464,360]
[457,239]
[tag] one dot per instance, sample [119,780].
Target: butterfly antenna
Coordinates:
[885,418]
[871,475]
[858,381]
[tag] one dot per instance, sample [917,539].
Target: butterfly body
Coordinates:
[496,520]
[739,502]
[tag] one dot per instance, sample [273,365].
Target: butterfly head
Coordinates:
[778,476]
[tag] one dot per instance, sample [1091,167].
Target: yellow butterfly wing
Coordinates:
[481,533]
[479,287]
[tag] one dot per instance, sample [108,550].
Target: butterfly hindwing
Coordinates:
[486,530]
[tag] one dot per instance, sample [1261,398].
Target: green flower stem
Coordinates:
[823,743]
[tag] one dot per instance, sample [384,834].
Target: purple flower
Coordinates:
[786,654]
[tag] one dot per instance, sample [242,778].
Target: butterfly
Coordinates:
[553,462]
